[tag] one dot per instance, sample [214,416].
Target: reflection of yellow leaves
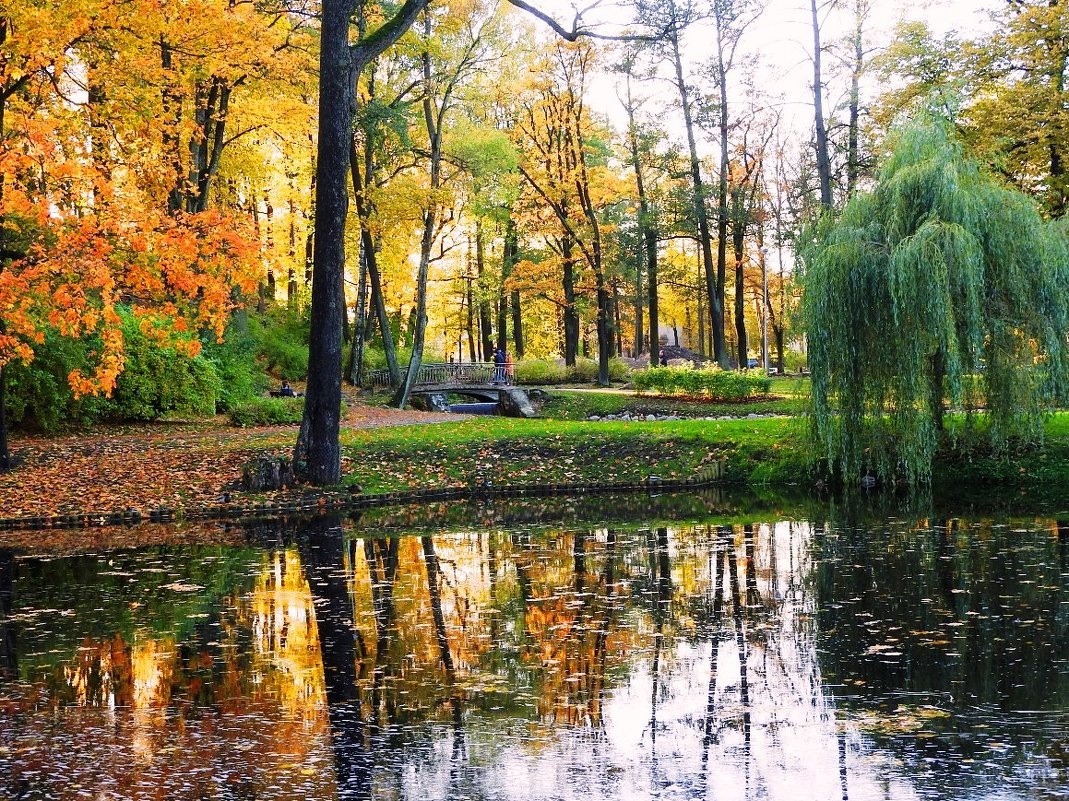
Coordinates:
[904,720]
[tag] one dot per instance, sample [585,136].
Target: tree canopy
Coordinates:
[940,284]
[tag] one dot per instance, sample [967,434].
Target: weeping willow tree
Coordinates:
[939,287]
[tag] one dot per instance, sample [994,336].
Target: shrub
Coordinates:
[718,384]
[585,371]
[160,381]
[39,395]
[155,381]
[241,377]
[539,371]
[619,370]
[267,411]
[281,338]
[375,357]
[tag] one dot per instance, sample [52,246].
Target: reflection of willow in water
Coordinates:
[935,634]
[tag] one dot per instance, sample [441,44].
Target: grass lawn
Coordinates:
[512,451]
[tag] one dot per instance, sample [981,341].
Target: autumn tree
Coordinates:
[461,45]
[1007,91]
[558,166]
[638,147]
[317,455]
[86,228]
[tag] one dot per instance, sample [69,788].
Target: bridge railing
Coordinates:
[434,374]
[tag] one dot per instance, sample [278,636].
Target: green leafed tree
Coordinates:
[939,286]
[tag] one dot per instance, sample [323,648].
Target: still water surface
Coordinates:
[643,659]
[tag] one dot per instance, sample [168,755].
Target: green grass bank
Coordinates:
[476,451]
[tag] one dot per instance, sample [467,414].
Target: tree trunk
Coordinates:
[571,316]
[510,255]
[356,352]
[400,398]
[321,557]
[472,355]
[648,253]
[722,197]
[517,324]
[821,142]
[853,165]
[430,559]
[5,455]
[317,455]
[432,116]
[716,313]
[369,255]
[938,403]
[738,245]
[486,328]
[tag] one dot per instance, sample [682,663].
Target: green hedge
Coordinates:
[719,384]
[267,411]
[585,371]
[539,371]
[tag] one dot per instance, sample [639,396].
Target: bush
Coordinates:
[281,338]
[155,381]
[375,357]
[267,411]
[161,381]
[585,371]
[241,378]
[39,395]
[718,384]
[539,371]
[619,370]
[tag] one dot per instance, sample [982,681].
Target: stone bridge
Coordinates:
[483,381]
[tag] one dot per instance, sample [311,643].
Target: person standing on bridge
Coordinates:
[499,366]
[510,369]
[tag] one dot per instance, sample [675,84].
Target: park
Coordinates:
[477,400]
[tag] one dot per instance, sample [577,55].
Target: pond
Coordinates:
[650,650]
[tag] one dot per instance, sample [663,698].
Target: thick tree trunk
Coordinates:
[317,455]
[321,556]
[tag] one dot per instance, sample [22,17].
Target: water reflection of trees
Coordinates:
[936,633]
[634,659]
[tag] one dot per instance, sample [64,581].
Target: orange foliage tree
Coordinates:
[87,224]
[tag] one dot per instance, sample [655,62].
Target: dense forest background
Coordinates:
[640,186]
